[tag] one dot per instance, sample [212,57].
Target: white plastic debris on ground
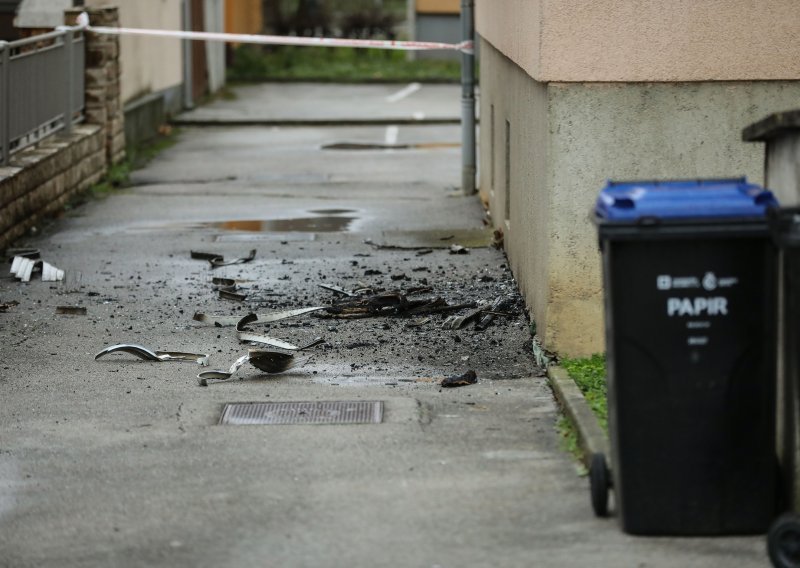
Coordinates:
[23,269]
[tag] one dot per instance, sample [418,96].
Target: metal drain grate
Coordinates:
[330,412]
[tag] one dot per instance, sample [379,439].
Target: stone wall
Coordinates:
[103,91]
[40,180]
[44,177]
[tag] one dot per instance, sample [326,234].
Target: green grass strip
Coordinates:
[335,64]
[590,376]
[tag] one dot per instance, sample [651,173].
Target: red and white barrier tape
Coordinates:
[464,46]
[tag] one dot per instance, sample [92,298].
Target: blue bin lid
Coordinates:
[684,199]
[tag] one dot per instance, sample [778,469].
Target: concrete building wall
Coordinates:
[643,40]
[513,154]
[513,27]
[670,40]
[137,54]
[567,139]
[636,131]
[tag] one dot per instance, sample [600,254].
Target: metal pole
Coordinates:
[188,99]
[69,47]
[5,93]
[468,167]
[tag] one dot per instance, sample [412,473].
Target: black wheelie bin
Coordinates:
[783,540]
[689,273]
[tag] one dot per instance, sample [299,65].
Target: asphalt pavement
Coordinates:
[123,462]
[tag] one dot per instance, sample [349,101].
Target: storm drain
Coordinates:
[321,412]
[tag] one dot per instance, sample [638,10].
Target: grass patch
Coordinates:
[335,64]
[590,376]
[569,443]
[139,157]
[569,437]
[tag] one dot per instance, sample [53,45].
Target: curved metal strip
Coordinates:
[138,350]
[266,340]
[209,377]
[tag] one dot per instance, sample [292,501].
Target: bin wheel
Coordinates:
[599,482]
[783,541]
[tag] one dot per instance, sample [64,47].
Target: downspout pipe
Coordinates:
[468,162]
[188,83]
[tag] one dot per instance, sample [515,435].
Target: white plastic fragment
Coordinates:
[50,273]
[23,269]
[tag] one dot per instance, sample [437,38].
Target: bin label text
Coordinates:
[700,306]
[709,281]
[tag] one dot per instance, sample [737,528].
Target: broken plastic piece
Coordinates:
[216,260]
[23,267]
[71,310]
[458,249]
[50,273]
[72,281]
[148,355]
[267,340]
[267,361]
[468,378]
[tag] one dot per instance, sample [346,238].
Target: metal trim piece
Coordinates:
[308,412]
[148,355]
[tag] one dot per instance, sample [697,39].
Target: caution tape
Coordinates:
[464,46]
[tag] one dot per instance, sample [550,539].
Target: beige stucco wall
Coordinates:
[514,28]
[646,40]
[506,96]
[148,64]
[568,139]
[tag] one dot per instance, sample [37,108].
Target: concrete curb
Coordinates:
[591,437]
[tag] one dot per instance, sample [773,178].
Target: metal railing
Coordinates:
[41,88]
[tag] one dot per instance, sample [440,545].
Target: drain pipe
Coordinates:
[468,167]
[188,81]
